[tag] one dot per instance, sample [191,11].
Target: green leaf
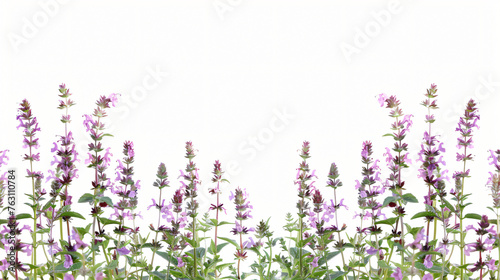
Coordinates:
[105,221]
[167,257]
[72,214]
[423,214]
[219,248]
[106,199]
[330,256]
[383,264]
[448,204]
[86,198]
[230,241]
[61,269]
[473,216]
[408,197]
[337,275]
[388,200]
[23,216]
[389,221]
[163,275]
[435,268]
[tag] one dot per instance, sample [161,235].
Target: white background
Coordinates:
[225,69]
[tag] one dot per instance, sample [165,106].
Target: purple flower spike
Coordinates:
[465,126]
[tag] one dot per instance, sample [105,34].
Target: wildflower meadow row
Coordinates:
[54,241]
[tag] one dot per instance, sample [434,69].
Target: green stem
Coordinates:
[270,256]
[300,241]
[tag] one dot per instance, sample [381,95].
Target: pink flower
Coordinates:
[123,251]
[180,263]
[428,276]
[68,262]
[428,261]
[79,242]
[114,99]
[68,276]
[249,244]
[397,274]
[314,263]
[491,265]
[4,265]
[381,99]
[371,251]
[99,276]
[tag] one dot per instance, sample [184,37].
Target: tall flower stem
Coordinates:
[156,235]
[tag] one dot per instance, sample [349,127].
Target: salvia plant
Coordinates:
[443,240]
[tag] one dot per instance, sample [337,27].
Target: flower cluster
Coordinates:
[30,127]
[484,243]
[243,213]
[431,159]
[494,179]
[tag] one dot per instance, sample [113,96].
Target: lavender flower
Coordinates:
[465,126]
[401,125]
[397,274]
[161,183]
[428,261]
[243,209]
[30,128]
[14,243]
[191,192]
[494,179]
[431,164]
[95,125]
[68,261]
[218,207]
[64,161]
